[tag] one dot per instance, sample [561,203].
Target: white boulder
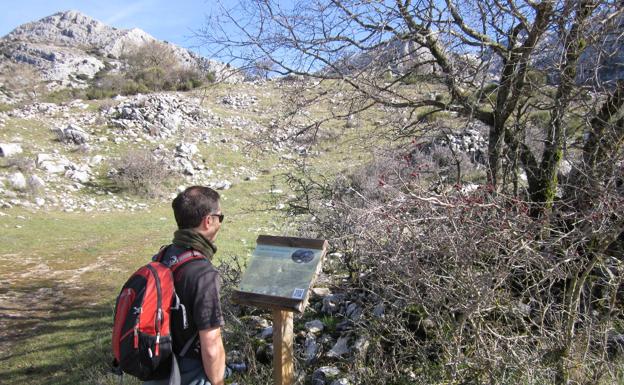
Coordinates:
[17,181]
[10,149]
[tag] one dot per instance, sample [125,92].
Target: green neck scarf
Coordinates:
[190,239]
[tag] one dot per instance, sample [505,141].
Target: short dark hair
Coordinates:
[193,204]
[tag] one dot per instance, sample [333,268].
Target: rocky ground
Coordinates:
[70,166]
[325,335]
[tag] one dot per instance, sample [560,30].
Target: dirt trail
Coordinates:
[31,295]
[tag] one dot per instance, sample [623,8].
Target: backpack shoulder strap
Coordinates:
[186,257]
[161,253]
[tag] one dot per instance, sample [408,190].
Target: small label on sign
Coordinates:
[298,293]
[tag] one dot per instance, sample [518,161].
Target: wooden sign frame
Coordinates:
[283,303]
[283,307]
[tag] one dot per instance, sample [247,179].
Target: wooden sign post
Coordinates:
[283,369]
[279,277]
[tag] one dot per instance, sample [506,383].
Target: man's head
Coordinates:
[198,208]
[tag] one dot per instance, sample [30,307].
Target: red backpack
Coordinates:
[142,344]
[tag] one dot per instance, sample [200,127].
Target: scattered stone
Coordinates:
[236,361]
[379,310]
[467,188]
[43,158]
[185,165]
[186,150]
[324,375]
[315,326]
[470,141]
[158,115]
[257,323]
[97,159]
[223,185]
[78,176]
[565,167]
[321,291]
[36,182]
[239,101]
[310,349]
[72,134]
[266,333]
[354,311]
[10,149]
[335,255]
[52,164]
[17,181]
[331,304]
[340,348]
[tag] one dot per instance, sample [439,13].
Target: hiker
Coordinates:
[202,362]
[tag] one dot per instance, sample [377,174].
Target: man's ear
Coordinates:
[205,223]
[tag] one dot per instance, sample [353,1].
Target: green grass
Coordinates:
[33,134]
[60,272]
[6,107]
[62,332]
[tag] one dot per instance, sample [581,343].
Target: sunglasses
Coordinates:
[220,216]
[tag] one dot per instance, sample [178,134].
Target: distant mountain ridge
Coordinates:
[69,47]
[74,29]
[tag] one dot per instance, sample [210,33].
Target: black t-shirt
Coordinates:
[197,284]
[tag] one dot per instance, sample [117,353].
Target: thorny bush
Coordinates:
[141,173]
[474,289]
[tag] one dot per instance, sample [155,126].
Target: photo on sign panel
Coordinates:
[302,256]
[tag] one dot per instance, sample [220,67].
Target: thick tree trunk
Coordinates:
[495,148]
[544,188]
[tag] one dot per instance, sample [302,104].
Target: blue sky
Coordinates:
[174,21]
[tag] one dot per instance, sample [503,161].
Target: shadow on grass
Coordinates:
[52,334]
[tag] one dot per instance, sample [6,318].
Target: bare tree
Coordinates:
[261,69]
[504,279]
[465,46]
[156,65]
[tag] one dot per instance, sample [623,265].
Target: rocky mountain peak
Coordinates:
[68,47]
[67,28]
[77,30]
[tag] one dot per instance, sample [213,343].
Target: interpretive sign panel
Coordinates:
[281,272]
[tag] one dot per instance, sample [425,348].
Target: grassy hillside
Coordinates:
[60,271]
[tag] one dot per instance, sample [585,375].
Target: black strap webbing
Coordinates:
[187,346]
[174,376]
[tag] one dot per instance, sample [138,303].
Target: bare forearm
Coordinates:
[213,359]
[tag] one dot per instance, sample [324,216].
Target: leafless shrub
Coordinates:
[238,336]
[475,289]
[139,172]
[155,66]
